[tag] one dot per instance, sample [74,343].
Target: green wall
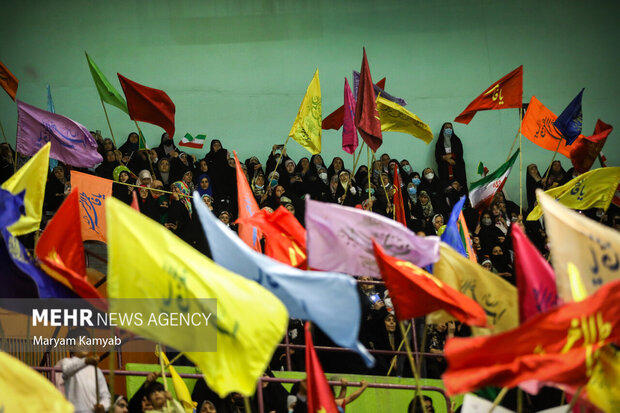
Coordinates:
[237,70]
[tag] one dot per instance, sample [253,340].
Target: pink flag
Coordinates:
[535,278]
[71,142]
[349,131]
[339,239]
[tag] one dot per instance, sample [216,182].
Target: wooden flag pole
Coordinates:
[15,161]
[346,190]
[148,155]
[549,167]
[413,367]
[520,163]
[3,134]
[402,342]
[499,398]
[246,402]
[163,374]
[112,369]
[370,171]
[108,119]
[277,162]
[513,143]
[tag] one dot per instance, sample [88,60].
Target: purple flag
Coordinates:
[71,142]
[349,131]
[339,239]
[377,89]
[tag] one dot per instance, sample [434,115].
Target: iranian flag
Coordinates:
[193,142]
[481,192]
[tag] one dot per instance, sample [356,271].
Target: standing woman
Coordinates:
[449,156]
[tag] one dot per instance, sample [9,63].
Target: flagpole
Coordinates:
[552,159]
[3,134]
[246,402]
[163,374]
[352,172]
[108,119]
[112,370]
[513,143]
[413,367]
[387,198]
[370,171]
[520,163]
[278,161]
[499,398]
[15,162]
[151,189]
[402,342]
[141,136]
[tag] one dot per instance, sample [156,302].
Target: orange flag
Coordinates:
[8,81]
[504,94]
[247,207]
[320,396]
[399,206]
[559,346]
[61,251]
[93,193]
[538,127]
[285,238]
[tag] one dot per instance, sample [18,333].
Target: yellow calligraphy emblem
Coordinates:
[496,92]
[294,251]
[15,251]
[594,331]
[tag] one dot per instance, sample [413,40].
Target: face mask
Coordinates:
[416,181]
[323,176]
[412,190]
[372,191]
[514,219]
[259,186]
[447,132]
[274,183]
[486,221]
[407,168]
[429,176]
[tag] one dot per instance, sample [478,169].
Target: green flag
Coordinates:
[107,92]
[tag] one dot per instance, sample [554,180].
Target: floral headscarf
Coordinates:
[182,186]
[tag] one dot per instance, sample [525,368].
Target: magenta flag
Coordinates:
[339,238]
[71,142]
[349,131]
[535,278]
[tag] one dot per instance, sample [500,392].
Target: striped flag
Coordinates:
[190,141]
[481,192]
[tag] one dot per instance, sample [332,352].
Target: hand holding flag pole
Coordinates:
[277,162]
[159,350]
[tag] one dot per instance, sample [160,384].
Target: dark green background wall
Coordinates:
[237,70]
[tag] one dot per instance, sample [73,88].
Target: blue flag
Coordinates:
[328,299]
[11,207]
[451,234]
[569,122]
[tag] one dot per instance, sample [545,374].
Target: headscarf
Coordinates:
[184,199]
[144,174]
[209,190]
[117,172]
[427,210]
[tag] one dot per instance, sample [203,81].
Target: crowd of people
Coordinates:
[429,194]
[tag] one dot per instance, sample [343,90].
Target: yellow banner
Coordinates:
[395,118]
[306,129]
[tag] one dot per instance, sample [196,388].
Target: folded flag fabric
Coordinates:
[588,246]
[107,92]
[349,131]
[569,123]
[70,141]
[306,129]
[395,118]
[366,115]
[12,207]
[32,178]
[504,94]
[146,260]
[559,346]
[180,388]
[415,293]
[481,192]
[196,142]
[335,119]
[451,235]
[399,206]
[338,238]
[8,81]
[320,396]
[594,189]
[587,149]
[308,295]
[247,207]
[379,88]
[93,193]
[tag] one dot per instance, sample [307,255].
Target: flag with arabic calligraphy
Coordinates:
[93,193]
[504,94]
[559,346]
[570,121]
[71,142]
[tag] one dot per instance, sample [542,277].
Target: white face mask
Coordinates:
[447,132]
[429,176]
[323,176]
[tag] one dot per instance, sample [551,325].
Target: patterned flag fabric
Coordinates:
[70,141]
[335,119]
[189,141]
[306,129]
[147,104]
[504,94]
[594,189]
[535,278]
[559,346]
[320,396]
[379,88]
[466,238]
[339,239]
[592,248]
[247,207]
[146,260]
[585,150]
[308,295]
[495,295]
[32,178]
[349,132]
[93,193]
[570,121]
[61,251]
[451,234]
[12,207]
[415,293]
[395,118]
[482,191]
[8,81]
[366,115]
[107,92]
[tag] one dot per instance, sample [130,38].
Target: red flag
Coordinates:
[503,94]
[148,105]
[366,115]
[320,396]
[61,251]
[134,201]
[399,206]
[535,278]
[285,238]
[335,119]
[415,293]
[8,81]
[560,346]
[585,150]
[247,207]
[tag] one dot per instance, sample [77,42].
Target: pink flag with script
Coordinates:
[349,131]
[339,238]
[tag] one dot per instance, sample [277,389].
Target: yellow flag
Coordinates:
[148,261]
[31,177]
[307,127]
[395,118]
[22,389]
[180,388]
[594,189]
[603,388]
[495,295]
[581,246]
